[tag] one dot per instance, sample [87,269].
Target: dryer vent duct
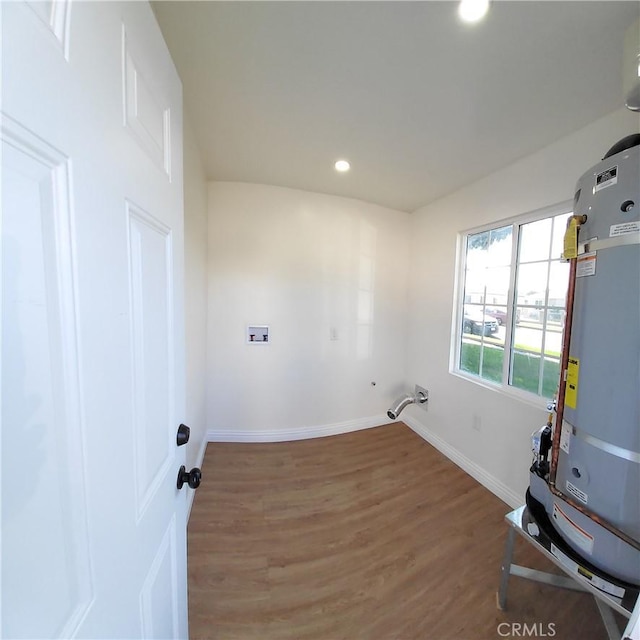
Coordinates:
[420,396]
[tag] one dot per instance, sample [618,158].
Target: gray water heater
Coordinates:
[592,501]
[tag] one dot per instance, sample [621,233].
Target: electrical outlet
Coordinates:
[476,422]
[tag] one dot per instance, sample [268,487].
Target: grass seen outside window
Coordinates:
[525,367]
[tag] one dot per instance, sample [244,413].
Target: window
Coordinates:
[511,303]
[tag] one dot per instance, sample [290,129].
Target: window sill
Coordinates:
[537,402]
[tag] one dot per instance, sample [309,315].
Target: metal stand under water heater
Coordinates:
[585,479]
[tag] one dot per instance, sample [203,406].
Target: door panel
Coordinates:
[54,15]
[159,588]
[151,287]
[43,488]
[147,121]
[92,325]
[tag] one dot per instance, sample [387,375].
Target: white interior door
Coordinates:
[93,526]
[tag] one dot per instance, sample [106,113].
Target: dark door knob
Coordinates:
[183,435]
[192,478]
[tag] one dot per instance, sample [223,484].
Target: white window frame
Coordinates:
[456,330]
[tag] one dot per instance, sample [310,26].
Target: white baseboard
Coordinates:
[498,488]
[199,459]
[299,433]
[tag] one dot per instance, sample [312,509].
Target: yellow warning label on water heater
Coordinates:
[571,239]
[571,392]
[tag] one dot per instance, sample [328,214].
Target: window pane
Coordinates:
[558,283]
[489,248]
[476,322]
[535,241]
[492,360]
[529,316]
[559,227]
[533,326]
[499,313]
[528,337]
[482,358]
[525,371]
[476,242]
[527,350]
[550,377]
[500,247]
[497,280]
[555,320]
[482,348]
[475,286]
[487,274]
[470,357]
[532,284]
[488,266]
[553,341]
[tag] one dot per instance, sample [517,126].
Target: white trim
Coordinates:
[528,398]
[199,461]
[498,488]
[299,433]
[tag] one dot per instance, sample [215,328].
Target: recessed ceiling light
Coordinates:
[473,10]
[342,166]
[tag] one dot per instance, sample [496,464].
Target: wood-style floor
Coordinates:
[372,534]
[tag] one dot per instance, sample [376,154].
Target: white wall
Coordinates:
[195,274]
[306,265]
[500,452]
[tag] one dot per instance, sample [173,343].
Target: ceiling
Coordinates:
[419,103]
